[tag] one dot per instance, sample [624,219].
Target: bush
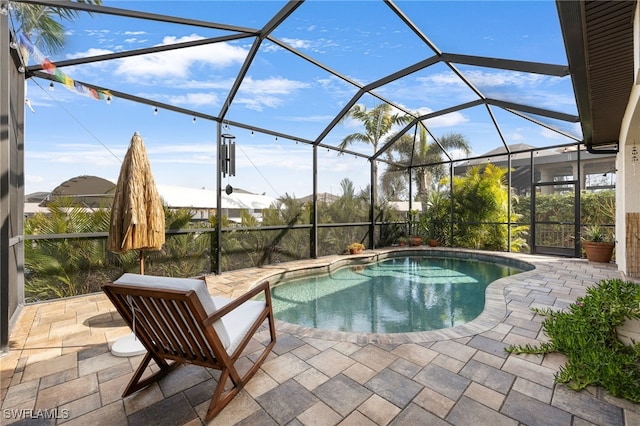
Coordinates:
[586,334]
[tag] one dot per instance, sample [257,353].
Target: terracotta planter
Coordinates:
[598,252]
[432,243]
[415,241]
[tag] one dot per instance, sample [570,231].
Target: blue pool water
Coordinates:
[396,295]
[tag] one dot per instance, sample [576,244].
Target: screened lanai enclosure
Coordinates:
[488,125]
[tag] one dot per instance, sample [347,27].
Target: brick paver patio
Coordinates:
[59,369]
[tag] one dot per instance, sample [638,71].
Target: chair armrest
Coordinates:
[262,287]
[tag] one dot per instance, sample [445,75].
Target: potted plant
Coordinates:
[402,241]
[415,238]
[437,215]
[598,244]
[428,230]
[355,248]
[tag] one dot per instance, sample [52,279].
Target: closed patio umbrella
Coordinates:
[137,221]
[137,215]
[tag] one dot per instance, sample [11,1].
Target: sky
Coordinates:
[68,135]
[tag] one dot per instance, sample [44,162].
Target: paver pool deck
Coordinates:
[59,364]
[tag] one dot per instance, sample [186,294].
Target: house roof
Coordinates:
[600,47]
[95,191]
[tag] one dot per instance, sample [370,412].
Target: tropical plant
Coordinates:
[598,207]
[271,246]
[415,226]
[392,224]
[41,23]
[289,244]
[355,247]
[480,203]
[425,158]
[598,244]
[587,334]
[519,233]
[596,234]
[64,267]
[438,214]
[481,211]
[183,255]
[378,126]
[351,206]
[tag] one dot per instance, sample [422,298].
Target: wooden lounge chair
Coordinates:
[177,320]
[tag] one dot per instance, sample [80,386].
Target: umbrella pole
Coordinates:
[129,345]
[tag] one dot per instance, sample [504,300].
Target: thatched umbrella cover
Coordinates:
[137,215]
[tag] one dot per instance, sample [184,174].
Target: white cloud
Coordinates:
[258,94]
[503,78]
[258,102]
[177,63]
[99,33]
[515,136]
[550,134]
[273,85]
[448,120]
[424,111]
[194,99]
[311,118]
[297,43]
[253,94]
[88,53]
[86,155]
[448,79]
[219,83]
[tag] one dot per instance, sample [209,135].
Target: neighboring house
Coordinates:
[202,202]
[323,197]
[32,203]
[597,171]
[403,206]
[95,192]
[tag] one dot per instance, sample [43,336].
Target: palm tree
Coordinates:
[427,178]
[350,207]
[378,123]
[41,23]
[289,244]
[65,267]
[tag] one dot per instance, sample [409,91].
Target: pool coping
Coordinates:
[494,312]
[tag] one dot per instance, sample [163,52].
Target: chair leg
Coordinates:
[135,384]
[220,399]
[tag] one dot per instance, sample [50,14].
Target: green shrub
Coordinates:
[586,334]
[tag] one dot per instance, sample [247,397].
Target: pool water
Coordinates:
[396,295]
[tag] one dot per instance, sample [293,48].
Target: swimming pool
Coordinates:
[395,295]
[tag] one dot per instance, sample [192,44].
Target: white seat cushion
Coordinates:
[238,321]
[182,284]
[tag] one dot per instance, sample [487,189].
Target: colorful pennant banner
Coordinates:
[28,49]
